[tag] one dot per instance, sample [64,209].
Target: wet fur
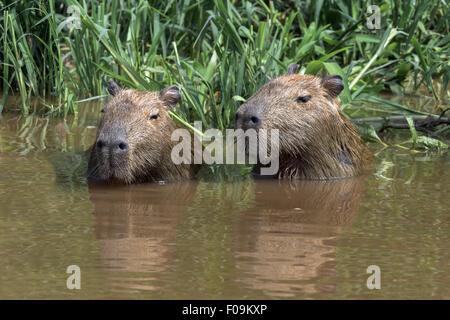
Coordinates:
[150,146]
[316,140]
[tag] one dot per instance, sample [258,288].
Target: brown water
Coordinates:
[210,239]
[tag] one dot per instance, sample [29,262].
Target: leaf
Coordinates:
[412,129]
[314,67]
[238,98]
[431,143]
[330,55]
[367,38]
[368,133]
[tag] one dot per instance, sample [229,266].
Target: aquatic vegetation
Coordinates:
[220,52]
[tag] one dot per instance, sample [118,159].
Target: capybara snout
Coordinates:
[111,148]
[115,144]
[251,119]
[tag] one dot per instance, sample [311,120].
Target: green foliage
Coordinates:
[219,52]
[422,142]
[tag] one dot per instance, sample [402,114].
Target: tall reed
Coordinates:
[219,52]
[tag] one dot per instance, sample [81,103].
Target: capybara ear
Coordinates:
[293,68]
[113,88]
[333,84]
[171,95]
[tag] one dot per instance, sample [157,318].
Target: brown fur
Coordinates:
[128,116]
[316,140]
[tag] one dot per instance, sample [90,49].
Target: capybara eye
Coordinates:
[304,99]
[103,110]
[154,116]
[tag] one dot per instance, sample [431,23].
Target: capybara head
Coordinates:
[316,140]
[133,142]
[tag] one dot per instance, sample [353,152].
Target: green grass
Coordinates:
[220,52]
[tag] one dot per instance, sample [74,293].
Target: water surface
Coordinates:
[215,240]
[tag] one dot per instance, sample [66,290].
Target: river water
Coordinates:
[206,239]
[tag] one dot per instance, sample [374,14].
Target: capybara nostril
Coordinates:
[120,146]
[99,145]
[123,146]
[254,121]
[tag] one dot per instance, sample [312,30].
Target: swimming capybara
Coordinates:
[133,142]
[316,141]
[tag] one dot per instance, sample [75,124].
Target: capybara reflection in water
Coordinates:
[290,241]
[133,142]
[316,141]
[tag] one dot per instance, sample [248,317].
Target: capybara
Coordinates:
[316,140]
[133,142]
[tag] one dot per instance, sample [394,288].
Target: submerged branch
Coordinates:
[421,122]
